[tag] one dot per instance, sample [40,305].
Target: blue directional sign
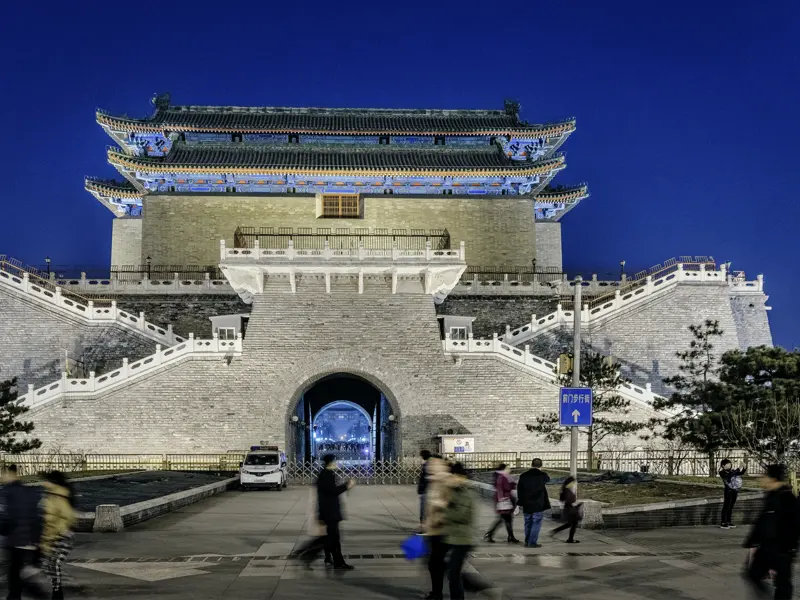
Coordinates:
[575,407]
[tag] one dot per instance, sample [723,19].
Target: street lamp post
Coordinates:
[47,260]
[149,260]
[621,270]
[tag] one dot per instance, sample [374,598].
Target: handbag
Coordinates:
[505,504]
[414,547]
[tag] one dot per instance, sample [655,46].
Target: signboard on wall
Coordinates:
[456,444]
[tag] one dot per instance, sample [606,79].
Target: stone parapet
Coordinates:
[54,299]
[191,348]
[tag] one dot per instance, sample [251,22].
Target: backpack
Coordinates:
[735,482]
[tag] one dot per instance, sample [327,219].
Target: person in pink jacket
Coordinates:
[504,504]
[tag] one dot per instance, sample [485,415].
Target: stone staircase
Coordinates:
[537,366]
[656,281]
[129,372]
[16,276]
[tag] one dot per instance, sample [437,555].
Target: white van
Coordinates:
[264,466]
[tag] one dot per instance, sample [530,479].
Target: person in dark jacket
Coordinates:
[532,497]
[22,527]
[422,484]
[330,509]
[571,512]
[773,537]
[732,480]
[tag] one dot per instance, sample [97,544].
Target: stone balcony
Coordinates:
[428,271]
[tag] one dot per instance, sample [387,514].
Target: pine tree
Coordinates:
[608,407]
[11,409]
[699,398]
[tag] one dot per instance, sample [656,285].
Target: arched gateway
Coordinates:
[343,414]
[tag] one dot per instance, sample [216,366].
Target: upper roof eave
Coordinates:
[111,188]
[149,126]
[573,194]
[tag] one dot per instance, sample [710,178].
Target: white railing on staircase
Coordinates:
[540,367]
[216,347]
[612,304]
[89,312]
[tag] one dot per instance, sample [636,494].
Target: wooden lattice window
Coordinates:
[340,206]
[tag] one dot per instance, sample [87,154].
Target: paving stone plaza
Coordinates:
[235,545]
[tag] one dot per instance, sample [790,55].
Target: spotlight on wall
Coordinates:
[295,418]
[392,417]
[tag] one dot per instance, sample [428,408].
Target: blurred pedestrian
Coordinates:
[773,537]
[330,509]
[22,528]
[58,510]
[437,499]
[532,496]
[422,484]
[571,513]
[504,504]
[732,482]
[459,533]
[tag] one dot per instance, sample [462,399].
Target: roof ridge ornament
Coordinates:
[161,101]
[511,108]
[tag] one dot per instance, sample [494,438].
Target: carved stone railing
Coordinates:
[603,307]
[538,366]
[53,298]
[35,398]
[152,285]
[327,253]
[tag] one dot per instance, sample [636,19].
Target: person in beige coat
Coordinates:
[438,491]
[58,516]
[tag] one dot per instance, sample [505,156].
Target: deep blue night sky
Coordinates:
[687,111]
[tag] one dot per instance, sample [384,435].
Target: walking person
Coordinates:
[459,531]
[422,484]
[22,528]
[732,481]
[330,510]
[328,517]
[532,496]
[773,537]
[504,504]
[571,512]
[58,510]
[437,499]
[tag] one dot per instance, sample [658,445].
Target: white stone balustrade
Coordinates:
[537,365]
[622,299]
[89,312]
[256,253]
[130,371]
[156,284]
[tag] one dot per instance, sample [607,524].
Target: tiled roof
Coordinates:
[300,157]
[331,121]
[563,194]
[112,187]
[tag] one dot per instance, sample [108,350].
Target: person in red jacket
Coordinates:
[504,504]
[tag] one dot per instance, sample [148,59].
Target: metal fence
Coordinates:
[341,238]
[402,471]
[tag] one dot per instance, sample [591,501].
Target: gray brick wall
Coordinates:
[187,314]
[548,245]
[34,340]
[293,341]
[646,337]
[126,241]
[750,316]
[493,313]
[186,229]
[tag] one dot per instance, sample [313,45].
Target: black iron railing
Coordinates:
[306,238]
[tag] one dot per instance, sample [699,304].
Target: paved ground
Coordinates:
[233,546]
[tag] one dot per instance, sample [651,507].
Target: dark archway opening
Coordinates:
[347,416]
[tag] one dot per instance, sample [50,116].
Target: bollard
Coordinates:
[107,519]
[592,514]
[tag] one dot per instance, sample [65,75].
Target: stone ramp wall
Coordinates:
[34,340]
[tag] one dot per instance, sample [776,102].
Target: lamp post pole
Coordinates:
[576,373]
[47,260]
